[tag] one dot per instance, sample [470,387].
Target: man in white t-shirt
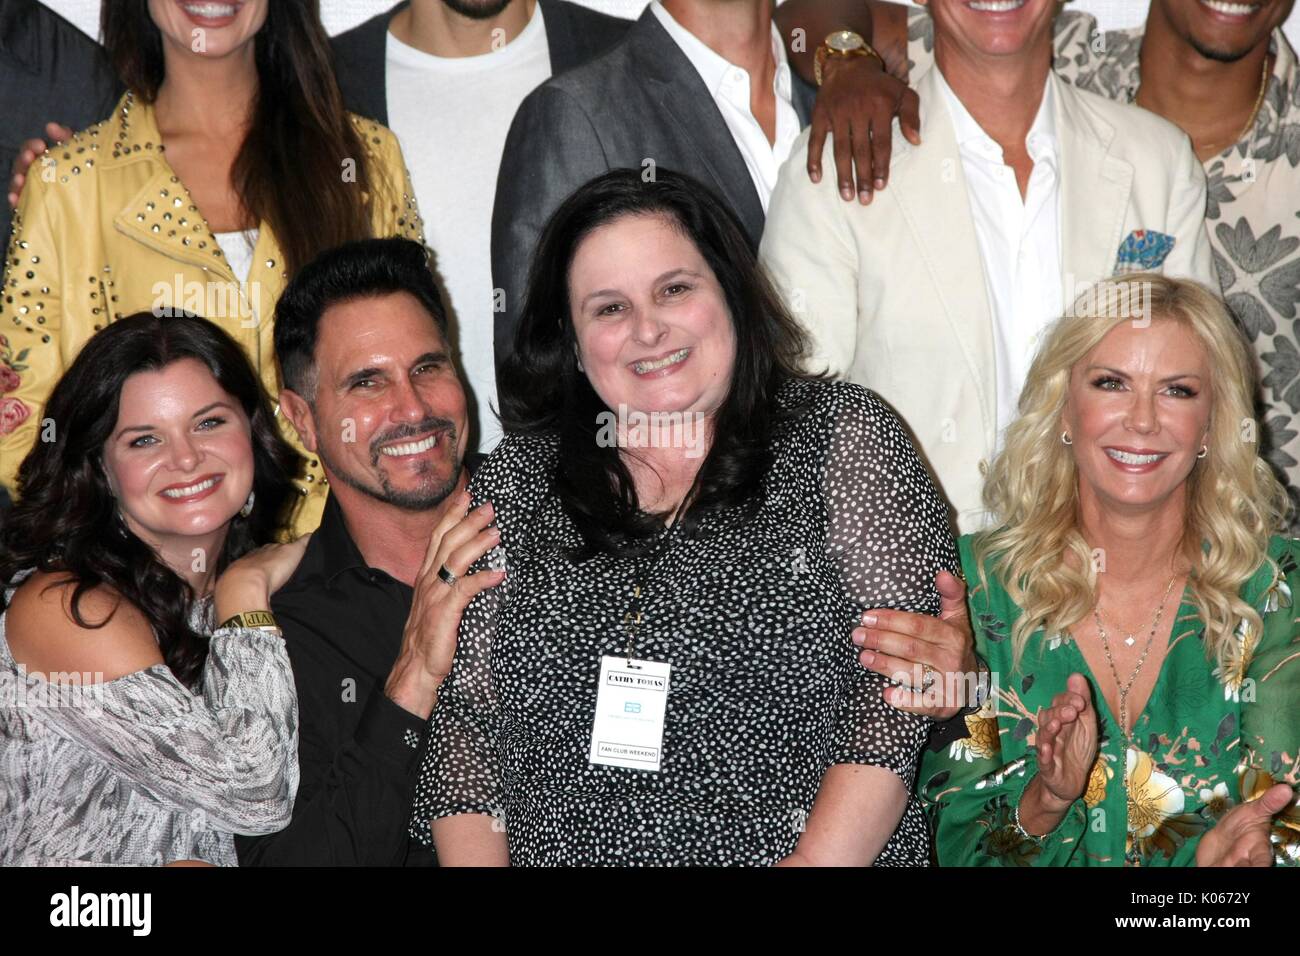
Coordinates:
[447,76]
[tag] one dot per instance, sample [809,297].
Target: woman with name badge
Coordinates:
[690,527]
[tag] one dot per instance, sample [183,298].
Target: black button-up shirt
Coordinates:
[358,752]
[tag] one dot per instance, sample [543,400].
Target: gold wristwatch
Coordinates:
[842,45]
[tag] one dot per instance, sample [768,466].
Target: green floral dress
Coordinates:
[1205,740]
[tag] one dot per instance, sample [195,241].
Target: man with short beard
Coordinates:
[447,76]
[371,614]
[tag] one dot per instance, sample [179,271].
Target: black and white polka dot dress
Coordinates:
[754,614]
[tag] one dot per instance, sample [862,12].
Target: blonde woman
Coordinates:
[1134,605]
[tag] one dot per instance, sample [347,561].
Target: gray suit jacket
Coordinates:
[641,100]
[49,70]
[574,35]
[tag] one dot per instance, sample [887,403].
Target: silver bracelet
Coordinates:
[1015,817]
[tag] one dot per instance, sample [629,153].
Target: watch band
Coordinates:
[983,685]
[842,44]
[257,620]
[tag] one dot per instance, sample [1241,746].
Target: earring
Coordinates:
[1205,450]
[1066,439]
[247,510]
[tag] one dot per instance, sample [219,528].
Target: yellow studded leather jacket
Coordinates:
[105,229]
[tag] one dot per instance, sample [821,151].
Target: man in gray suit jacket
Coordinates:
[644,104]
[49,71]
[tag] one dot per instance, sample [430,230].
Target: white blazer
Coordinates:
[893,295]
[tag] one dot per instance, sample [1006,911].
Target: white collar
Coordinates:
[713,67]
[1041,142]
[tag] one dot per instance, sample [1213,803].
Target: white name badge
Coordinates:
[631,703]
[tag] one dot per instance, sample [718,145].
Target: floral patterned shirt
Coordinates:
[1204,741]
[1253,213]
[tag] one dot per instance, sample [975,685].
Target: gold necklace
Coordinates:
[1264,74]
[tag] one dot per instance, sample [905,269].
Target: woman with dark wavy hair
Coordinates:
[228,164]
[690,528]
[131,730]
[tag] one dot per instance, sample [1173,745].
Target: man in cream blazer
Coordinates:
[935,298]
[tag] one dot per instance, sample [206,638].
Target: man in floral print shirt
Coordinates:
[1224,72]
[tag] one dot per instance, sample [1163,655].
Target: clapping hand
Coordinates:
[1241,837]
[1067,743]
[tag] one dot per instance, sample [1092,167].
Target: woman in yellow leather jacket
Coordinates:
[229,163]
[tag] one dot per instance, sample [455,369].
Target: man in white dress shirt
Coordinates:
[1023,192]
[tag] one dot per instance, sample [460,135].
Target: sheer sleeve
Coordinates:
[971,790]
[230,754]
[460,771]
[888,537]
[1270,708]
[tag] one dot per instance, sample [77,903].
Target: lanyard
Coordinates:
[632,616]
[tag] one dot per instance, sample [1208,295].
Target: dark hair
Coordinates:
[300,132]
[65,518]
[357,270]
[542,390]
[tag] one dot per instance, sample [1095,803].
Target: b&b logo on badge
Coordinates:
[103,909]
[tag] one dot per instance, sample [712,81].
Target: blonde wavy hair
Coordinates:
[1234,501]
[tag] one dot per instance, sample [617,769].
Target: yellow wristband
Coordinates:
[258,620]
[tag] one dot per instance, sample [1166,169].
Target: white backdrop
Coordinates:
[341,14]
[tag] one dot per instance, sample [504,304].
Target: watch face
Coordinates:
[842,41]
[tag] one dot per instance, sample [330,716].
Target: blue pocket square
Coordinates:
[1143,251]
